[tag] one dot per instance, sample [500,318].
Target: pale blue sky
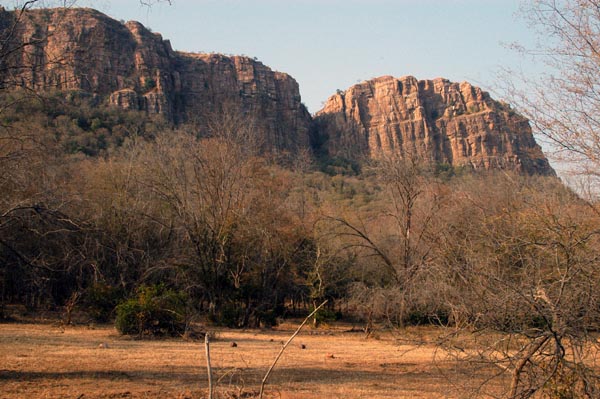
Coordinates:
[331,44]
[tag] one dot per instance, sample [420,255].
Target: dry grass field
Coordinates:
[47,361]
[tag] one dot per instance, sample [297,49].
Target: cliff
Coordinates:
[438,120]
[128,66]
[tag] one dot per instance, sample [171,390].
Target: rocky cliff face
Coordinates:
[440,121]
[127,66]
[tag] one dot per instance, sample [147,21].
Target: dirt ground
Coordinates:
[48,361]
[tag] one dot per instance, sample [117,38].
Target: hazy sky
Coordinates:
[332,44]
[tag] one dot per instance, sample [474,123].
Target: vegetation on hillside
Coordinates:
[248,241]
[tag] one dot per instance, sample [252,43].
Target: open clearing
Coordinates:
[47,361]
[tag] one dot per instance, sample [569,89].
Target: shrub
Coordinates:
[155,310]
[326,315]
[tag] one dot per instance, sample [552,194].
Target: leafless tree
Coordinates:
[563,103]
[522,285]
[393,239]
[558,250]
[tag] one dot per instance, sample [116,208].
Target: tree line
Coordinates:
[249,240]
[177,227]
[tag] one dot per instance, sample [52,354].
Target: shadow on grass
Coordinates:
[251,375]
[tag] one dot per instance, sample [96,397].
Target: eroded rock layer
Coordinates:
[438,120]
[127,66]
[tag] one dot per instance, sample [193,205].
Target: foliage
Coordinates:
[75,122]
[149,84]
[154,310]
[339,166]
[115,204]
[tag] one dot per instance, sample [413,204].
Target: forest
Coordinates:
[101,206]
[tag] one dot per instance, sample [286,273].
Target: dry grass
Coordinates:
[46,361]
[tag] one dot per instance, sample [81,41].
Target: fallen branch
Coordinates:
[264,380]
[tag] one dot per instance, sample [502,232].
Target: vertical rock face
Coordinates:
[272,98]
[440,121]
[128,66]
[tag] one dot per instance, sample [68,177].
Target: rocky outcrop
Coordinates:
[438,120]
[213,81]
[126,65]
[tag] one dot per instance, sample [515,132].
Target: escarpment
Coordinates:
[437,120]
[125,65]
[128,66]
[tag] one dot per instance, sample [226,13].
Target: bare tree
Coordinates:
[233,235]
[522,284]
[563,103]
[205,185]
[393,240]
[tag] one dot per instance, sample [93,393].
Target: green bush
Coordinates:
[155,310]
[326,315]
[149,84]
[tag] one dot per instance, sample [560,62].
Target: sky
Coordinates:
[332,44]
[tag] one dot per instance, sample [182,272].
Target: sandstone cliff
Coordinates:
[128,66]
[440,121]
